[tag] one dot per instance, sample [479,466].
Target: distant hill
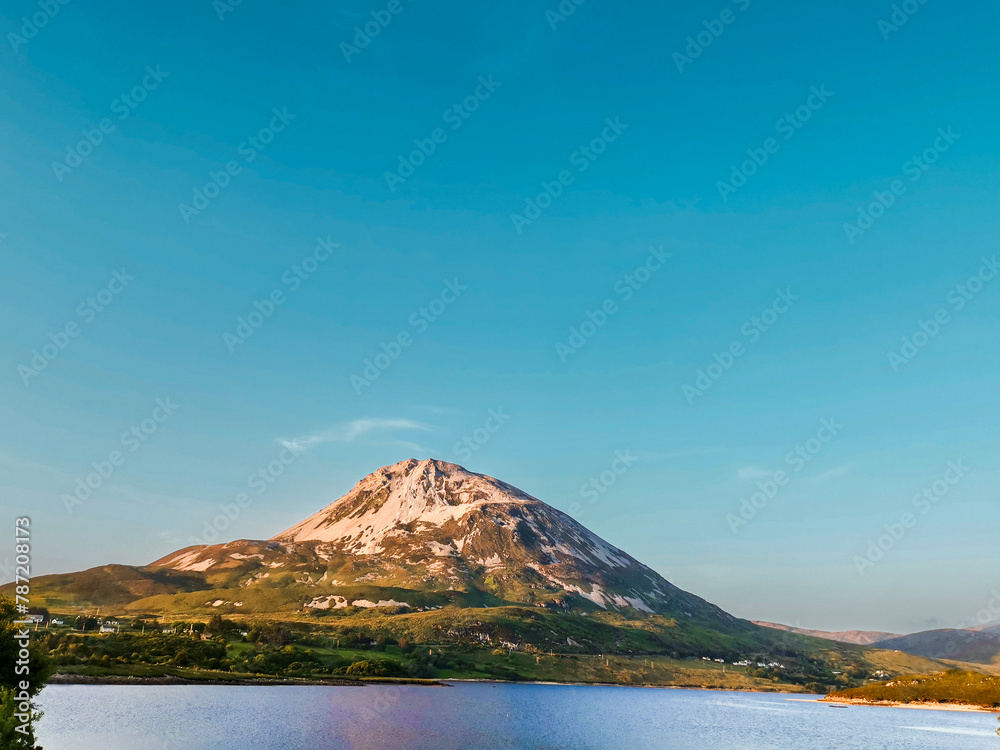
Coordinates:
[971,646]
[954,686]
[990,627]
[860,637]
[107,585]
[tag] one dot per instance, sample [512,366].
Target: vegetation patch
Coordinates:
[952,687]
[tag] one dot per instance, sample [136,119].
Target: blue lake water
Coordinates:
[478,715]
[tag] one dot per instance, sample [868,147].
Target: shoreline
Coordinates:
[621,685]
[64,678]
[84,679]
[919,705]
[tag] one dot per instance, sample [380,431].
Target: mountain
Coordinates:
[435,528]
[427,552]
[860,637]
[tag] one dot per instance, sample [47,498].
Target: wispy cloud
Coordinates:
[748,473]
[833,473]
[752,473]
[382,430]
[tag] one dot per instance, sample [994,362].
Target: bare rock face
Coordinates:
[431,526]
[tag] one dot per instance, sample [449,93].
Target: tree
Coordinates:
[86,623]
[215,624]
[18,690]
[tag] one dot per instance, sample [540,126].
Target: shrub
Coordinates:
[375,668]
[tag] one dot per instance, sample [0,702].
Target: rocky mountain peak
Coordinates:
[400,499]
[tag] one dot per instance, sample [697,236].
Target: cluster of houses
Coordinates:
[40,620]
[105,626]
[748,663]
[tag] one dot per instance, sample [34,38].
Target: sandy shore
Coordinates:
[893,704]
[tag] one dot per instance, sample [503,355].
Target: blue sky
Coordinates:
[642,237]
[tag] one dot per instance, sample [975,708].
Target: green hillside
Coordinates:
[508,643]
[573,640]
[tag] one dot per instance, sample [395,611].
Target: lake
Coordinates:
[483,715]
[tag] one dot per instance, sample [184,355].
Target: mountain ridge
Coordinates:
[973,646]
[859,637]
